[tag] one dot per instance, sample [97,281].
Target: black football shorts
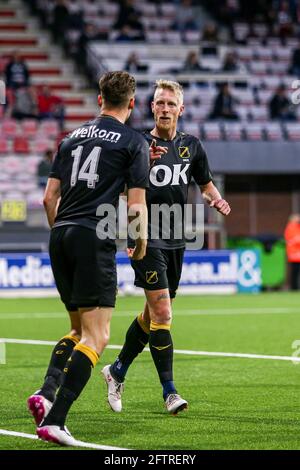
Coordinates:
[84,267]
[159,269]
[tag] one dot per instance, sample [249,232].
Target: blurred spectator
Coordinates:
[230,63]
[280,106]
[24,103]
[16,72]
[295,64]
[89,33]
[125,11]
[44,168]
[50,106]
[75,15]
[191,63]
[60,20]
[185,17]
[285,21]
[292,238]
[224,104]
[210,33]
[133,64]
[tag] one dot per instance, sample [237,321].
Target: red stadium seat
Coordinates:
[10,128]
[29,127]
[21,145]
[3,145]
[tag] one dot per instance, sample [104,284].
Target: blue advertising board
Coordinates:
[216,271]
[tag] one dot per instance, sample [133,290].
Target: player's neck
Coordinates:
[165,134]
[120,114]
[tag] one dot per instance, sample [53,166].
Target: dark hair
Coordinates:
[117,88]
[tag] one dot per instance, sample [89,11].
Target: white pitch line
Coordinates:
[88,445]
[181,312]
[177,351]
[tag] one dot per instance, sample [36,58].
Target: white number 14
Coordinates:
[88,171]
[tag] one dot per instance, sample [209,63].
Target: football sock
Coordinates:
[161,347]
[60,354]
[76,375]
[137,337]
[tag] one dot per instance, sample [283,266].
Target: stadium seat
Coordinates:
[263,53]
[293,130]
[4,147]
[192,37]
[245,53]
[173,37]
[13,194]
[32,164]
[259,113]
[278,68]
[7,186]
[40,145]
[212,131]
[233,131]
[258,68]
[49,128]
[21,145]
[29,127]
[273,131]
[9,128]
[12,165]
[192,128]
[254,131]
[283,54]
[26,186]
[264,96]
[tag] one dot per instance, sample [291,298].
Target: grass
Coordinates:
[234,403]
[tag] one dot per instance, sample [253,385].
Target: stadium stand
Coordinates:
[250,50]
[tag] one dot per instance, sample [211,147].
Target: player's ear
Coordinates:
[181,110]
[131,103]
[100,100]
[152,106]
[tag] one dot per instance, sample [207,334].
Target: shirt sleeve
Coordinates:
[137,175]
[201,171]
[55,171]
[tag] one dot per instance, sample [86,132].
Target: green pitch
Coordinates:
[234,403]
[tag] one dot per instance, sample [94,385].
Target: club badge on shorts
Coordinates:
[151,277]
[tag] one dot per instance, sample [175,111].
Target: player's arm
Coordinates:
[138,220]
[214,199]
[51,199]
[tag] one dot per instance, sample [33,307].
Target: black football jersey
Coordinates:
[94,163]
[169,178]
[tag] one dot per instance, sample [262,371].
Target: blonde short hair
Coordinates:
[169,85]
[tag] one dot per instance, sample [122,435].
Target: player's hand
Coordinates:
[139,251]
[221,206]
[156,151]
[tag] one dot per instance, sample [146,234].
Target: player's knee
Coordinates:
[162,314]
[101,342]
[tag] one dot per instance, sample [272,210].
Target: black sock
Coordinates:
[60,354]
[135,341]
[161,347]
[75,377]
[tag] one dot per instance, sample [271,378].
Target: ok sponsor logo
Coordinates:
[162,175]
